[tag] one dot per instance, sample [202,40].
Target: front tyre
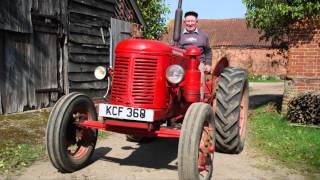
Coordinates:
[70,146]
[231,111]
[196,144]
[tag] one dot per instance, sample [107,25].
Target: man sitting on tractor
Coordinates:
[192,36]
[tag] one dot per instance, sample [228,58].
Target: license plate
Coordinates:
[122,112]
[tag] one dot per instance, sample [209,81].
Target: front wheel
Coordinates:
[196,144]
[70,146]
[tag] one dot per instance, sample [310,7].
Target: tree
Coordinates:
[154,14]
[275,17]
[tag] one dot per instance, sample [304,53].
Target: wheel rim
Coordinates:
[206,151]
[243,112]
[79,140]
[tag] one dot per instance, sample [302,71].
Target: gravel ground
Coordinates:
[116,158]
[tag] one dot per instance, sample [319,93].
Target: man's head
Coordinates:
[190,20]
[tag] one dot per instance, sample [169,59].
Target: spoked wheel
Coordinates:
[70,146]
[196,144]
[232,100]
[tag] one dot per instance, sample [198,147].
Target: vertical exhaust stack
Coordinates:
[177,24]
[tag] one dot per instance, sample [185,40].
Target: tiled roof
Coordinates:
[227,32]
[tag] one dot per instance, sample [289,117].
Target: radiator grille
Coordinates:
[142,85]
[144,78]
[120,79]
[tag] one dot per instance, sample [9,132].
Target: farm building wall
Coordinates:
[303,63]
[258,61]
[241,45]
[49,48]
[30,56]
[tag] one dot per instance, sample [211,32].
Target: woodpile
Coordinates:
[305,109]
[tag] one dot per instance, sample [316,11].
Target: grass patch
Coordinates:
[15,156]
[296,147]
[103,134]
[22,139]
[263,78]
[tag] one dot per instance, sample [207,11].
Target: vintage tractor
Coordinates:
[156,92]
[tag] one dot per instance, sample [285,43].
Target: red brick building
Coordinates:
[303,68]
[232,39]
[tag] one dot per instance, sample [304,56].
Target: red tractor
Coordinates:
[156,92]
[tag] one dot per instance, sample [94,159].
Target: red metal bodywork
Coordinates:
[139,81]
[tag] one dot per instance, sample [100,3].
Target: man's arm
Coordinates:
[208,52]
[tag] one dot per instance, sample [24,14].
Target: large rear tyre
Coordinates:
[196,144]
[70,146]
[231,111]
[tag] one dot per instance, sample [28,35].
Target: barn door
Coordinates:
[30,60]
[47,39]
[120,30]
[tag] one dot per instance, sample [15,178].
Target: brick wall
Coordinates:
[303,68]
[258,61]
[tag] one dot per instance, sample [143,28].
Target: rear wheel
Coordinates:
[231,111]
[70,146]
[196,144]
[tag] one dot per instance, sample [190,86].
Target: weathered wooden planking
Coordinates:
[89,85]
[2,69]
[45,23]
[88,20]
[32,74]
[80,67]
[108,1]
[88,30]
[15,15]
[0,104]
[84,49]
[93,93]
[47,7]
[30,63]
[89,58]
[82,77]
[16,65]
[87,39]
[46,53]
[89,11]
[95,4]
[47,56]
[43,100]
[64,14]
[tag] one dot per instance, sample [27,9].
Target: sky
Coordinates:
[210,9]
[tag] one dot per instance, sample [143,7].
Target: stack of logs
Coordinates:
[305,109]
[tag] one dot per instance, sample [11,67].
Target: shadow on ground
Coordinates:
[256,101]
[157,154]
[99,153]
[160,153]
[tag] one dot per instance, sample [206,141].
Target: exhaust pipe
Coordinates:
[177,24]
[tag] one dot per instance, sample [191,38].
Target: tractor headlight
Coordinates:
[175,74]
[100,72]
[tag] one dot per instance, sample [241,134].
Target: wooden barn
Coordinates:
[50,48]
